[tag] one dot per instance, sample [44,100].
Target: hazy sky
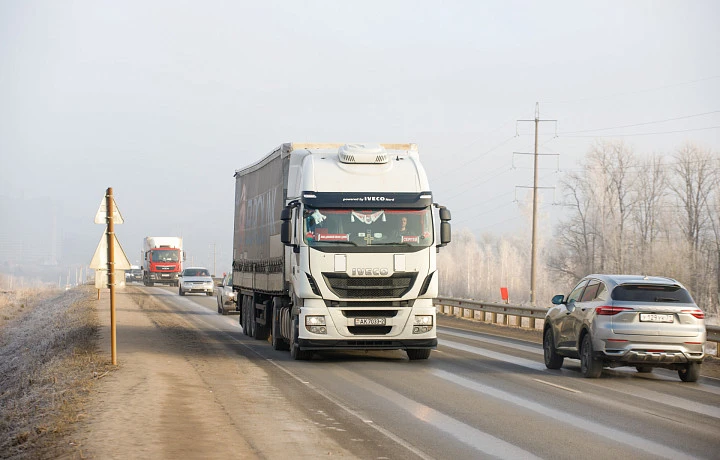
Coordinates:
[164,100]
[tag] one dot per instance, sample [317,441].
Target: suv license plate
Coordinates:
[655,318]
[369,321]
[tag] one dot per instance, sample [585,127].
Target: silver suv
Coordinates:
[626,320]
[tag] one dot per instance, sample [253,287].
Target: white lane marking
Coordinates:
[477,439]
[355,414]
[665,398]
[566,418]
[503,343]
[674,401]
[495,355]
[557,386]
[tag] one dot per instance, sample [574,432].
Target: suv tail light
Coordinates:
[696,312]
[607,310]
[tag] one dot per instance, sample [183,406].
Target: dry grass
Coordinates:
[48,364]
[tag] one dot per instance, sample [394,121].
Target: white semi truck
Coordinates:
[334,248]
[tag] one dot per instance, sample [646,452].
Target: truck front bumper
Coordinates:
[161,277]
[367,344]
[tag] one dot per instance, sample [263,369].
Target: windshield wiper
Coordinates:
[665,299]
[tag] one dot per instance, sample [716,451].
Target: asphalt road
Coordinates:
[478,396]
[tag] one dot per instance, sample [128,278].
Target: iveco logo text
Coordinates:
[369,271]
[369,198]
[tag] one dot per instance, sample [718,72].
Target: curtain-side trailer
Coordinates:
[334,248]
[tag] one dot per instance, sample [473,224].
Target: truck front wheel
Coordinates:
[278,342]
[295,352]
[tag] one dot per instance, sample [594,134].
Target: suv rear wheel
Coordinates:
[690,373]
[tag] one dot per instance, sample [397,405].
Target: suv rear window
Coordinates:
[651,293]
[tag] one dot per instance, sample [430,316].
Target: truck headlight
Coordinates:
[422,324]
[316,324]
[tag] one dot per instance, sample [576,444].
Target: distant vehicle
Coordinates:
[134,275]
[163,260]
[625,320]
[226,296]
[334,248]
[196,280]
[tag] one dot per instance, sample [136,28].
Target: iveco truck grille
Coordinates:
[346,287]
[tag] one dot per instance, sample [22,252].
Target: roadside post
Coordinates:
[109,257]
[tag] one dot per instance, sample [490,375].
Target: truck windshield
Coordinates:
[165,256]
[368,227]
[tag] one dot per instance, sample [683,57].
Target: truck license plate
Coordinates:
[369,321]
[656,318]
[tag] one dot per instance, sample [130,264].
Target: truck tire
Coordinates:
[295,352]
[249,316]
[278,342]
[241,316]
[262,331]
[415,354]
[246,315]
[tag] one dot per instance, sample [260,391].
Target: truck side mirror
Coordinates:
[444,214]
[285,227]
[286,232]
[445,232]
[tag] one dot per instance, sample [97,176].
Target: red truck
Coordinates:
[163,259]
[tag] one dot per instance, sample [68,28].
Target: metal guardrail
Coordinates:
[512,315]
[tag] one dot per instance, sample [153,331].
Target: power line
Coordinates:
[640,124]
[630,93]
[653,134]
[481,155]
[494,174]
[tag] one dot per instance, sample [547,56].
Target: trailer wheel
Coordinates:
[295,352]
[241,316]
[247,319]
[250,315]
[262,331]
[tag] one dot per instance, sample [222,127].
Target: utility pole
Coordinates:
[534,248]
[214,259]
[111,271]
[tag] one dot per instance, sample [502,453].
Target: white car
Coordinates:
[196,280]
[226,297]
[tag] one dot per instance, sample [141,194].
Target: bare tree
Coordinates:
[575,240]
[614,164]
[694,178]
[650,190]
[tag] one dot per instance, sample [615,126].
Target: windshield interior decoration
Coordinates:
[367,227]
